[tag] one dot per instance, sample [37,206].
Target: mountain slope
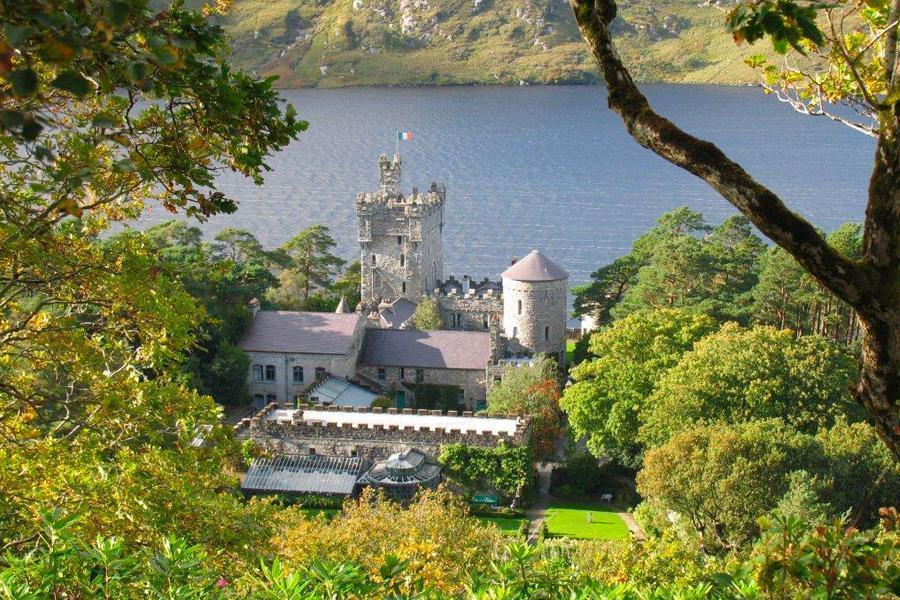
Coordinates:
[332,43]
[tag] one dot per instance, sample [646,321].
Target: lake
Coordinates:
[539,167]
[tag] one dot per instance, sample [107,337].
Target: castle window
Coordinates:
[403,287]
[402,260]
[484,322]
[402,373]
[546,333]
[257,372]
[312,451]
[381,375]
[298,374]
[515,332]
[520,307]
[373,259]
[399,239]
[420,375]
[270,372]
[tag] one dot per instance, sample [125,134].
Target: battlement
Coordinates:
[380,429]
[468,288]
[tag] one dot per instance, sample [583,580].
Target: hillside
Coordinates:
[332,43]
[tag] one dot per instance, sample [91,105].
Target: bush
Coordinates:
[433,396]
[381,402]
[504,469]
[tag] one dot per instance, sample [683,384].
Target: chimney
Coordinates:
[513,261]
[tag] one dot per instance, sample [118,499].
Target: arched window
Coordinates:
[257,372]
[520,307]
[546,333]
[373,259]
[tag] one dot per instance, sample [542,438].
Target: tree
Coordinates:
[868,284]
[788,297]
[311,269]
[531,390]
[427,315]
[610,391]
[347,286]
[721,478]
[433,536]
[106,107]
[737,375]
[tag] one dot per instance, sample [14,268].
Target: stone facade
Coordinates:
[472,383]
[534,314]
[401,254]
[283,389]
[467,305]
[376,443]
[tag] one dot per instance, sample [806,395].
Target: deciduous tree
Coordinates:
[869,284]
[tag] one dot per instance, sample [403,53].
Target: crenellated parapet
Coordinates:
[378,431]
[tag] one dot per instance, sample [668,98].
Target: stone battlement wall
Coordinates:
[376,442]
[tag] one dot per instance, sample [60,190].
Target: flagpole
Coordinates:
[397,144]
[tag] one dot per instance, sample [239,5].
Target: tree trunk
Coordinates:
[870,285]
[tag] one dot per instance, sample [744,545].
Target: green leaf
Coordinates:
[23,81]
[118,12]
[16,36]
[165,55]
[73,81]
[105,120]
[137,71]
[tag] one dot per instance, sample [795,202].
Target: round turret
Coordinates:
[534,305]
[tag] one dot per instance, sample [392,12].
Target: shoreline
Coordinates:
[402,86]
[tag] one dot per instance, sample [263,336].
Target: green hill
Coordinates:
[332,43]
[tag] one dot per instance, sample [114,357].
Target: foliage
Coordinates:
[433,536]
[347,285]
[682,262]
[224,276]
[427,315]
[707,472]
[720,478]
[504,469]
[738,375]
[382,402]
[435,396]
[311,268]
[610,391]
[850,69]
[531,390]
[581,471]
[787,297]
[659,562]
[833,560]
[106,107]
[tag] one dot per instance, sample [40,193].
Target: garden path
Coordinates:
[538,511]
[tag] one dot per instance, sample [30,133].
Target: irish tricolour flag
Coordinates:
[404,135]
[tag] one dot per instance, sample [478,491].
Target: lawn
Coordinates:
[567,518]
[570,351]
[507,526]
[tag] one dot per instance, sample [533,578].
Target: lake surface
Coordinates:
[539,167]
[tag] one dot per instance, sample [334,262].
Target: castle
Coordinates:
[401,258]
[348,358]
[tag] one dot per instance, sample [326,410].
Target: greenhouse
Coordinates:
[304,474]
[403,473]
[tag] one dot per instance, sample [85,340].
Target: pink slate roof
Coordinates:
[535,267]
[426,349]
[300,332]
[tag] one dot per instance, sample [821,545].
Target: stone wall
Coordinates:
[473,383]
[375,444]
[283,390]
[540,324]
[469,313]
[401,250]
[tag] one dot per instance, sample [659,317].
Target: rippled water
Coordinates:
[539,167]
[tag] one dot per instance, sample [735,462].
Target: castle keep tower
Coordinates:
[401,251]
[534,305]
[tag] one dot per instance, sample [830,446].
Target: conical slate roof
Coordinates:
[535,267]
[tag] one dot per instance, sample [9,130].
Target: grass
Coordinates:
[507,526]
[570,351]
[568,518]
